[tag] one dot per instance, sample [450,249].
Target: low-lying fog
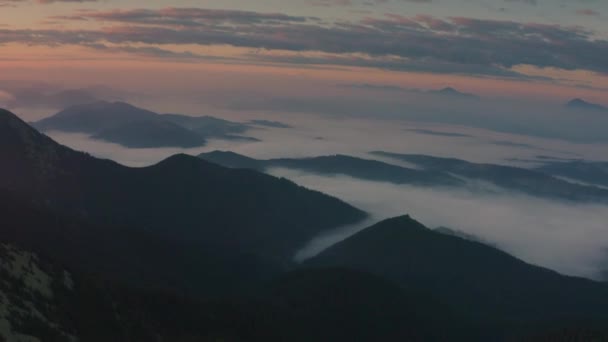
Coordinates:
[572,239]
[313,135]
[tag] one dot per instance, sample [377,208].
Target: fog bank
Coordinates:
[571,239]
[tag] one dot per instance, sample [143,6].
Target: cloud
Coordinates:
[342,3]
[42,96]
[570,239]
[430,65]
[174,16]
[438,133]
[500,115]
[379,87]
[588,12]
[329,3]
[527,2]
[6,99]
[415,43]
[4,3]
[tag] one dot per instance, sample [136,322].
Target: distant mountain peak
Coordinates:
[223,153]
[395,226]
[179,159]
[403,219]
[231,159]
[133,127]
[114,105]
[579,103]
[449,91]
[110,111]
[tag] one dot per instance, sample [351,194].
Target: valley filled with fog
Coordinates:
[571,238]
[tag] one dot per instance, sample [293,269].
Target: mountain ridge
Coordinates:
[449,91]
[134,127]
[177,192]
[584,105]
[367,169]
[471,277]
[528,181]
[432,171]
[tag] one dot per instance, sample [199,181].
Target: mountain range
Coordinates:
[187,250]
[431,171]
[449,91]
[269,123]
[584,105]
[133,127]
[490,287]
[182,197]
[532,182]
[446,91]
[338,165]
[588,172]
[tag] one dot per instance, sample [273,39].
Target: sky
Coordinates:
[552,50]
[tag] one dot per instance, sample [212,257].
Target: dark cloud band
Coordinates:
[457,44]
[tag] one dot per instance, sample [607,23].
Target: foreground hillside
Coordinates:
[96,284]
[42,301]
[396,280]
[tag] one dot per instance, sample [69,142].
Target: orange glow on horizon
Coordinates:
[73,64]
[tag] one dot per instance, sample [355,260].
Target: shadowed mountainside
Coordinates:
[150,134]
[396,280]
[182,197]
[479,282]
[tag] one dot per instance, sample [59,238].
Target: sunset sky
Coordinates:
[545,49]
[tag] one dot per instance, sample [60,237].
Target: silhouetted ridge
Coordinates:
[151,134]
[449,91]
[582,104]
[590,172]
[181,158]
[479,281]
[532,182]
[338,165]
[94,117]
[133,127]
[182,197]
[231,159]
[16,131]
